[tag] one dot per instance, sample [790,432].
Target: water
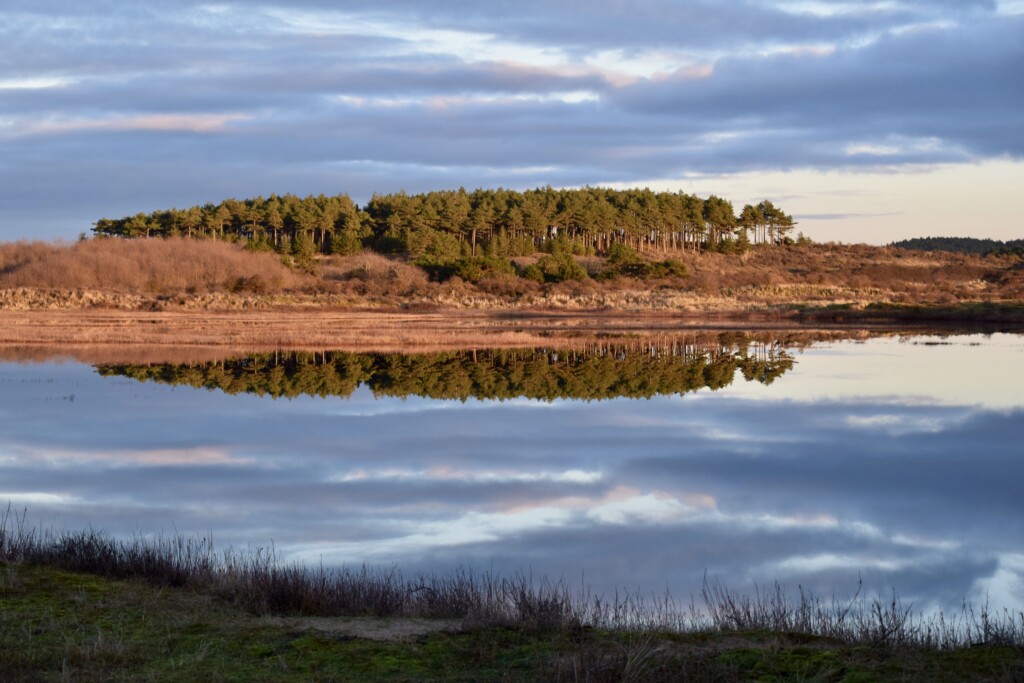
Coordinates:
[892,461]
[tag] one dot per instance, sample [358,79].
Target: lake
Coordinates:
[820,461]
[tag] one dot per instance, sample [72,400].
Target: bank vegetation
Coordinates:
[81,605]
[179,273]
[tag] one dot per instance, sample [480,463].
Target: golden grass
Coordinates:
[154,266]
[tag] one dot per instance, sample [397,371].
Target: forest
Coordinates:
[963,245]
[601,371]
[441,227]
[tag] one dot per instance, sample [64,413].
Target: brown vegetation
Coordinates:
[170,266]
[181,274]
[369,274]
[860,272]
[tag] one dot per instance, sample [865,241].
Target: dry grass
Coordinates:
[262,583]
[179,274]
[857,273]
[155,266]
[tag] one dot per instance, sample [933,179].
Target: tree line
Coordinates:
[963,245]
[603,371]
[443,226]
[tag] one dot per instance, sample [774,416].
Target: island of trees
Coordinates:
[437,228]
[541,249]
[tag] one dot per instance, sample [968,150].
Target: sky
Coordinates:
[846,468]
[868,120]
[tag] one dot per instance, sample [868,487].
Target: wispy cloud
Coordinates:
[191,123]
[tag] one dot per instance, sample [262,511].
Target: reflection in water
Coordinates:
[892,460]
[598,371]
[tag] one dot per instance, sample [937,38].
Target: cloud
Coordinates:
[129,458]
[120,109]
[194,123]
[839,216]
[935,95]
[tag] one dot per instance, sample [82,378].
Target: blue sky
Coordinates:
[868,120]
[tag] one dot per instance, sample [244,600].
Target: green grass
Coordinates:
[57,625]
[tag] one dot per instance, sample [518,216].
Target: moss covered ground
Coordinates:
[56,625]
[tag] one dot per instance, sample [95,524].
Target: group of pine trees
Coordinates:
[443,226]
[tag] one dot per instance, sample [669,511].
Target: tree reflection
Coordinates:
[595,371]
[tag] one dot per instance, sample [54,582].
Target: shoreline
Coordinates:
[403,330]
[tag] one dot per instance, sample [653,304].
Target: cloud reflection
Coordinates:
[898,489]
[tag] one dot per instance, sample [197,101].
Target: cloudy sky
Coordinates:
[868,120]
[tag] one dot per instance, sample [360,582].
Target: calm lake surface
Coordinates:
[638,467]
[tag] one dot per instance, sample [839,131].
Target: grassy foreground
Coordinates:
[85,606]
[58,625]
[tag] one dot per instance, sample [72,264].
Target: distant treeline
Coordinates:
[963,245]
[444,226]
[602,371]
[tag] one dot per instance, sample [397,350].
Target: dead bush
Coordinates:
[375,275]
[508,285]
[14,255]
[156,266]
[362,266]
[574,288]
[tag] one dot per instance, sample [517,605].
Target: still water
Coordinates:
[893,460]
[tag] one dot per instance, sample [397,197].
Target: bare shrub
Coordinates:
[14,255]
[373,274]
[366,265]
[706,280]
[508,286]
[156,266]
[574,288]
[409,281]
[592,264]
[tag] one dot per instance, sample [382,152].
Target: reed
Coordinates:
[262,583]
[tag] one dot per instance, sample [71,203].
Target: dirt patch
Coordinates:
[394,629]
